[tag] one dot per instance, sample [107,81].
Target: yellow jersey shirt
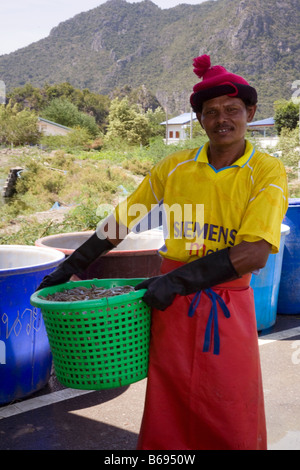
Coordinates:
[204,209]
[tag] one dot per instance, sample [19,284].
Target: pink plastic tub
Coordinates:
[136,256]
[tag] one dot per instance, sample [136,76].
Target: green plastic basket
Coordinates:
[97,344]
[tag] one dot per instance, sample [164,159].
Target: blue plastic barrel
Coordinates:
[266,286]
[289,289]
[25,357]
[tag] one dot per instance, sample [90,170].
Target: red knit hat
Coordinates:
[217,81]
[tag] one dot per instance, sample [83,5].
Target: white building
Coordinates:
[178,128]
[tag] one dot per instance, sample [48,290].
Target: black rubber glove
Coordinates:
[78,261]
[187,279]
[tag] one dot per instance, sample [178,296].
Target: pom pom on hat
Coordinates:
[201,65]
[213,76]
[217,81]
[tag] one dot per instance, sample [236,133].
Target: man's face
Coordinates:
[225,119]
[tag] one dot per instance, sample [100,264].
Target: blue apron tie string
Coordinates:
[194,304]
[212,319]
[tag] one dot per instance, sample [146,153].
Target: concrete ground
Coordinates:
[57,418]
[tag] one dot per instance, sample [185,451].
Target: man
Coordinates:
[204,386]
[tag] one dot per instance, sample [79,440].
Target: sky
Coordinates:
[23,22]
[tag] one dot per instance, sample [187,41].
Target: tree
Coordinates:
[62,111]
[18,127]
[127,123]
[95,105]
[155,118]
[27,97]
[286,115]
[92,104]
[86,101]
[288,145]
[139,96]
[62,90]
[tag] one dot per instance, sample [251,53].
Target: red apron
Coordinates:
[204,389]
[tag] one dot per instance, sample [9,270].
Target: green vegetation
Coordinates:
[114,142]
[134,117]
[287,125]
[288,148]
[83,170]
[286,115]
[127,123]
[66,113]
[61,103]
[18,128]
[79,181]
[82,180]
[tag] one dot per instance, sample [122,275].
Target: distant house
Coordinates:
[52,128]
[178,128]
[259,132]
[262,125]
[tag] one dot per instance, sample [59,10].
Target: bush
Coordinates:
[39,179]
[127,123]
[77,139]
[286,115]
[288,145]
[18,128]
[289,150]
[64,112]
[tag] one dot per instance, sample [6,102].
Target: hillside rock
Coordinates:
[120,43]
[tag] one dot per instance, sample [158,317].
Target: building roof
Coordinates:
[263,123]
[184,118]
[54,124]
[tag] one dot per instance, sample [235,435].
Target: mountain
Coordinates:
[120,43]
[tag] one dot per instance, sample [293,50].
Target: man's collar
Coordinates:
[241,162]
